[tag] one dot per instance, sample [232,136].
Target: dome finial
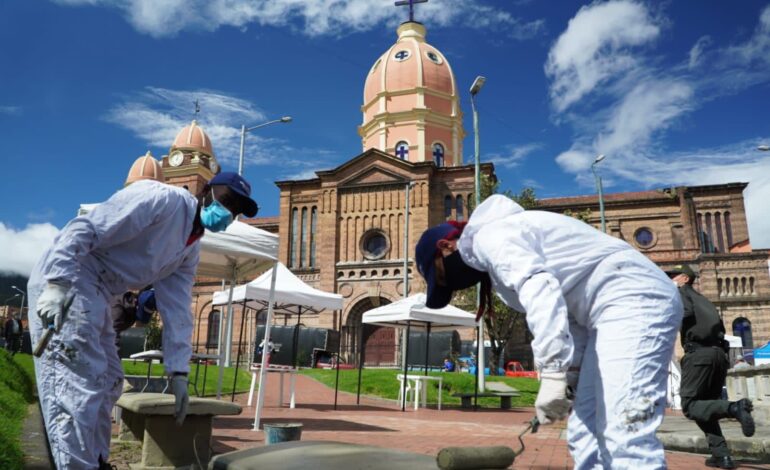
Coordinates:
[411,3]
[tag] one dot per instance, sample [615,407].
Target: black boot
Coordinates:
[741,410]
[105,466]
[720,462]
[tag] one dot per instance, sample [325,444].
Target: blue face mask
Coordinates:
[215,216]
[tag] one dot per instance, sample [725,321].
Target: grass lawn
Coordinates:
[383,383]
[244,377]
[16,392]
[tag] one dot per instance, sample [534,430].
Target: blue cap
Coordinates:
[425,255]
[146,305]
[240,186]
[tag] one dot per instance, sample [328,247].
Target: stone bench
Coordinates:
[149,418]
[505,398]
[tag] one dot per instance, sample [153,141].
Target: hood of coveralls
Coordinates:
[494,208]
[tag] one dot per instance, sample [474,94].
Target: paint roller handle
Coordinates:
[42,343]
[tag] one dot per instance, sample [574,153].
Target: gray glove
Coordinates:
[553,400]
[53,304]
[182,403]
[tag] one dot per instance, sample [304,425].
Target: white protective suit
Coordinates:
[138,237]
[594,302]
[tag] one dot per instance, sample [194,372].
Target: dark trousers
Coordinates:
[13,344]
[704,370]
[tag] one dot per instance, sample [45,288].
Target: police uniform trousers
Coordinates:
[704,369]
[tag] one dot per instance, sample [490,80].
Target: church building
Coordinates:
[346,231]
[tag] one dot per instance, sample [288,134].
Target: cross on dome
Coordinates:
[411,3]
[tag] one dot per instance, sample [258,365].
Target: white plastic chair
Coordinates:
[409,390]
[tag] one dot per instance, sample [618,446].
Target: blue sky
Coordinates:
[673,93]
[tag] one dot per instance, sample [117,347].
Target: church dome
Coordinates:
[194,138]
[145,168]
[410,62]
[411,106]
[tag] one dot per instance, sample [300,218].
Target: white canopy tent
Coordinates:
[411,312]
[238,252]
[287,289]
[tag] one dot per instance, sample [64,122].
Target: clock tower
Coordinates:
[190,162]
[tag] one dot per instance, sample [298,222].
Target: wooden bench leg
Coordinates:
[505,403]
[466,402]
[167,445]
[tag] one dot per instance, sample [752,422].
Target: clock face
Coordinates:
[214,167]
[176,158]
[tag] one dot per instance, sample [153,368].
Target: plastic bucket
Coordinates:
[282,432]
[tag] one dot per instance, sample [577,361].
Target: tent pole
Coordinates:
[406,364]
[360,359]
[295,340]
[266,349]
[427,348]
[224,354]
[339,346]
[476,386]
[230,323]
[240,341]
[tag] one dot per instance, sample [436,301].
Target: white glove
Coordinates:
[553,402]
[53,304]
[182,403]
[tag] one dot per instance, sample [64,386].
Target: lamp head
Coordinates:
[477,84]
[286,119]
[599,158]
[763,148]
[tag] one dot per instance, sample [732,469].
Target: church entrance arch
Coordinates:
[379,342]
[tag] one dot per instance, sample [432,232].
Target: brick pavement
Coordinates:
[381,423]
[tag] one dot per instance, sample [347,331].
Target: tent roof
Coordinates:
[412,309]
[289,289]
[238,252]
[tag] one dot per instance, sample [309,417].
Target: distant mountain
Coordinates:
[6,291]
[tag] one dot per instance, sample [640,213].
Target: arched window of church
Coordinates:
[212,334]
[402,150]
[471,203]
[313,228]
[728,230]
[303,240]
[718,223]
[294,238]
[448,207]
[438,154]
[460,209]
[742,329]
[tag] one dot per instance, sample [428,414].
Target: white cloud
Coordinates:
[309,17]
[649,107]
[22,248]
[156,115]
[10,110]
[595,48]
[697,50]
[629,118]
[513,155]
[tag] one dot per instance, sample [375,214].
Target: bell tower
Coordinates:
[190,162]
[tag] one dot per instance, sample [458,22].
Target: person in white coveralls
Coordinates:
[604,320]
[146,233]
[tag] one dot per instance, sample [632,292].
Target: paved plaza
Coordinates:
[381,423]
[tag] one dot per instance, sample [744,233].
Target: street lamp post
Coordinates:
[245,129]
[405,338]
[599,188]
[23,296]
[478,83]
